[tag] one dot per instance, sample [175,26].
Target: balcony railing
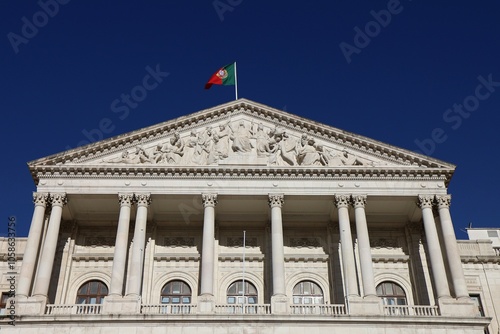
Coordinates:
[319,309]
[243,309]
[55,309]
[168,309]
[411,310]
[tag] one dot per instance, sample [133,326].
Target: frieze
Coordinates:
[305,242]
[179,242]
[238,242]
[384,243]
[99,241]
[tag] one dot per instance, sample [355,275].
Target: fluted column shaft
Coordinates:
[348,264]
[41,286]
[32,245]
[137,258]
[120,254]
[278,260]
[437,263]
[451,247]
[365,254]
[208,258]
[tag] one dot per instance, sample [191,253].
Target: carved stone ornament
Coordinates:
[342,201]
[238,242]
[143,199]
[99,241]
[305,242]
[58,199]
[40,198]
[179,242]
[443,201]
[425,201]
[209,200]
[126,199]
[415,228]
[384,243]
[359,201]
[276,200]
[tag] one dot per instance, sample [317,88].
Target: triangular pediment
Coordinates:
[241,133]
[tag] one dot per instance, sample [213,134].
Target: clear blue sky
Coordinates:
[62,72]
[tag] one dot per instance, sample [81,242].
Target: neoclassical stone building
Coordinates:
[243,218]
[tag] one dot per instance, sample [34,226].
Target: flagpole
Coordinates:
[235,81]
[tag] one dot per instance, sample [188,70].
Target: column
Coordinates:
[348,264]
[451,247]
[208,260]
[278,260]
[364,249]
[41,286]
[134,281]
[32,245]
[437,265]
[120,254]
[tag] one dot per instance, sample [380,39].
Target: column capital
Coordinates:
[126,199]
[425,201]
[40,199]
[443,201]
[342,201]
[209,200]
[58,199]
[276,200]
[359,201]
[143,199]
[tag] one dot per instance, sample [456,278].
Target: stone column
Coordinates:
[121,243]
[437,265]
[278,260]
[365,255]
[134,281]
[348,264]
[47,256]
[32,245]
[451,247]
[208,260]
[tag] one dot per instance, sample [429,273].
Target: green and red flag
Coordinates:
[224,76]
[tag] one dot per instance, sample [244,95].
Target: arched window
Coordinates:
[92,292]
[176,292]
[307,292]
[237,295]
[391,293]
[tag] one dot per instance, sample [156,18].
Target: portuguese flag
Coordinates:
[224,76]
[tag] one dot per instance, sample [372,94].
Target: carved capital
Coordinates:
[276,200]
[425,201]
[209,200]
[58,199]
[143,199]
[126,199]
[359,201]
[443,201]
[342,201]
[40,198]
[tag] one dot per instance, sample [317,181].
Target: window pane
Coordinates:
[93,288]
[252,300]
[93,300]
[186,300]
[176,300]
[165,300]
[388,290]
[231,300]
[81,300]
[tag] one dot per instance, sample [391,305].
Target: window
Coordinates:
[391,293]
[307,292]
[92,292]
[176,292]
[237,295]
[3,302]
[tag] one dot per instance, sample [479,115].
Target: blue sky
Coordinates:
[422,76]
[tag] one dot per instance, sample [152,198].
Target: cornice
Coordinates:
[354,142]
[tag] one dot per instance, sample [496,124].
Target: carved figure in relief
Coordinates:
[189,148]
[174,149]
[222,145]
[157,155]
[140,155]
[263,140]
[204,147]
[308,154]
[241,138]
[282,150]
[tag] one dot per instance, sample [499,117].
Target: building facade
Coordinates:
[243,218]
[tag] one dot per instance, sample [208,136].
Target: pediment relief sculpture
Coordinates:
[242,142]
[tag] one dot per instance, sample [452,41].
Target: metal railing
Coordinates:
[411,310]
